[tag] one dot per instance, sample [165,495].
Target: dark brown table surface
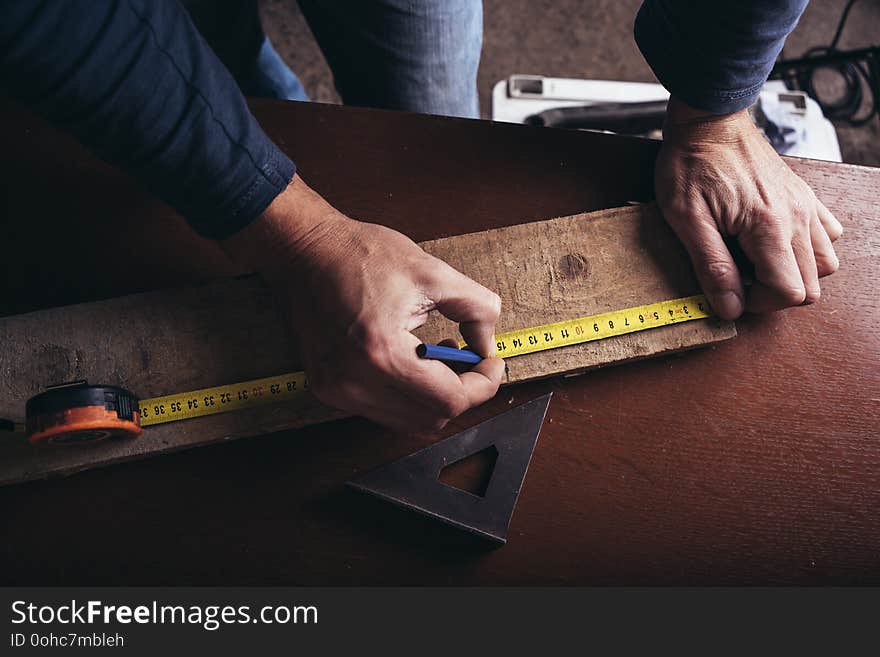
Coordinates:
[757,461]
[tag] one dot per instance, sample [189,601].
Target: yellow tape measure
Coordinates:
[221,399]
[599,327]
[247,394]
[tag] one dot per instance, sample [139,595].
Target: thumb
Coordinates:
[713,263]
[473,306]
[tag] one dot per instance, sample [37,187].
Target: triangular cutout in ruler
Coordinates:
[413,481]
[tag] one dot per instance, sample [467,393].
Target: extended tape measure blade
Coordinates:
[223,399]
[599,327]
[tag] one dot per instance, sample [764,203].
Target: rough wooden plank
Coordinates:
[585,264]
[151,343]
[175,340]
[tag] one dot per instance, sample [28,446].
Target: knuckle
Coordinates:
[812,295]
[377,355]
[717,270]
[794,220]
[769,219]
[770,232]
[800,212]
[371,345]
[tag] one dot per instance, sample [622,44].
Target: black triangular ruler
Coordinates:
[413,481]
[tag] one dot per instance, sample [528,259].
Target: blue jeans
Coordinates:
[413,55]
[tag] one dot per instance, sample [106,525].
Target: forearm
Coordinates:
[134,81]
[714,56]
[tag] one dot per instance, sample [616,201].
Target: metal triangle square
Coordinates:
[413,481]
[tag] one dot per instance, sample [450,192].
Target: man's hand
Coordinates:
[718,177]
[354,292]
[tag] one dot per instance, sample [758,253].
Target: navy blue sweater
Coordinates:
[136,83]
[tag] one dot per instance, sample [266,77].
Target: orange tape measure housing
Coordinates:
[78,413]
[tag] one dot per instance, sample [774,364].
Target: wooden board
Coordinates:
[548,271]
[176,340]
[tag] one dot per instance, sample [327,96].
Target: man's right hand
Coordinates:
[354,292]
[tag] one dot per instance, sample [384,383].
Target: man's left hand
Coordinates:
[717,177]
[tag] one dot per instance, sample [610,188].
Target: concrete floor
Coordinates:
[579,38]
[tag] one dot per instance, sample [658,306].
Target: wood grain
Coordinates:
[755,461]
[549,271]
[161,342]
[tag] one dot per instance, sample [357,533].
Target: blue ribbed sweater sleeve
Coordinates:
[136,83]
[714,56]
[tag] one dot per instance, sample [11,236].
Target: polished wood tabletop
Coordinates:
[756,461]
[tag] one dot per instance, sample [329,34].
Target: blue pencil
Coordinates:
[449,354]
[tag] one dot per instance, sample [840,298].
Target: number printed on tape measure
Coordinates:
[221,399]
[599,327]
[210,401]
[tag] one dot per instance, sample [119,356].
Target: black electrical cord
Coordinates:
[854,67]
